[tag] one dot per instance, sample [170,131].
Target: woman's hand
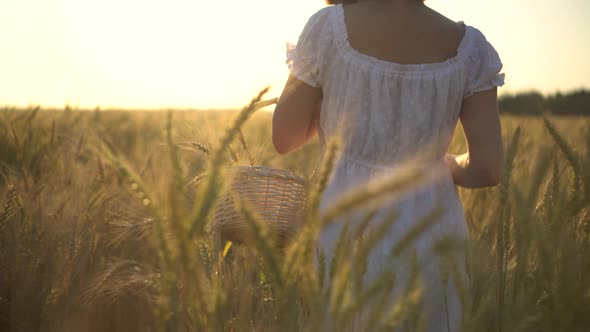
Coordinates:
[451,163]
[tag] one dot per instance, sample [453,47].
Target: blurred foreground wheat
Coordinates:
[105,224]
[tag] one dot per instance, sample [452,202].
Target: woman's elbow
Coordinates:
[280,149]
[278,140]
[280,145]
[490,176]
[285,139]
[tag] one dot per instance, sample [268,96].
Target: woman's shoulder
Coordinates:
[471,37]
[322,13]
[477,44]
[318,21]
[483,63]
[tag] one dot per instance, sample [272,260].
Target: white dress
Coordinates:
[389,112]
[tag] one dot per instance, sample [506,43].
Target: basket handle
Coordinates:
[264,103]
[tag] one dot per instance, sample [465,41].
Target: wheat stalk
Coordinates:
[211,187]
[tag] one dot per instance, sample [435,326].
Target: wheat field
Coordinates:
[105,225]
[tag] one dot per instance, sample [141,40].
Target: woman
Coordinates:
[394,77]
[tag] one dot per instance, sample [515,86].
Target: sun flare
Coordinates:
[196,54]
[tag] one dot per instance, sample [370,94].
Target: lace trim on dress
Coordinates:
[302,59]
[497,81]
[299,67]
[483,67]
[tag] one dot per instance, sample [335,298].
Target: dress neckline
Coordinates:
[343,40]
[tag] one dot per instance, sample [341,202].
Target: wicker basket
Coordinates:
[278,196]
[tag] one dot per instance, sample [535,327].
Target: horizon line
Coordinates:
[231,108]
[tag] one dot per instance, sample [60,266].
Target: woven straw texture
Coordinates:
[278,196]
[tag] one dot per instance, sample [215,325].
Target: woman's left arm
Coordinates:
[296,115]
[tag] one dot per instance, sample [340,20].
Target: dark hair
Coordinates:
[335,2]
[346,2]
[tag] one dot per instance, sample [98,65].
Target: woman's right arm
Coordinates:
[482,165]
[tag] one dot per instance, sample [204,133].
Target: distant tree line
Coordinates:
[531,103]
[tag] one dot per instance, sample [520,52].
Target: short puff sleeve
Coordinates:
[303,59]
[483,67]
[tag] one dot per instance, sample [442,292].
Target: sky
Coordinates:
[198,54]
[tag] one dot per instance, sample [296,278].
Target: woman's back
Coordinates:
[402,35]
[385,110]
[394,82]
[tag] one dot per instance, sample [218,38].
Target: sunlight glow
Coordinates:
[196,54]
